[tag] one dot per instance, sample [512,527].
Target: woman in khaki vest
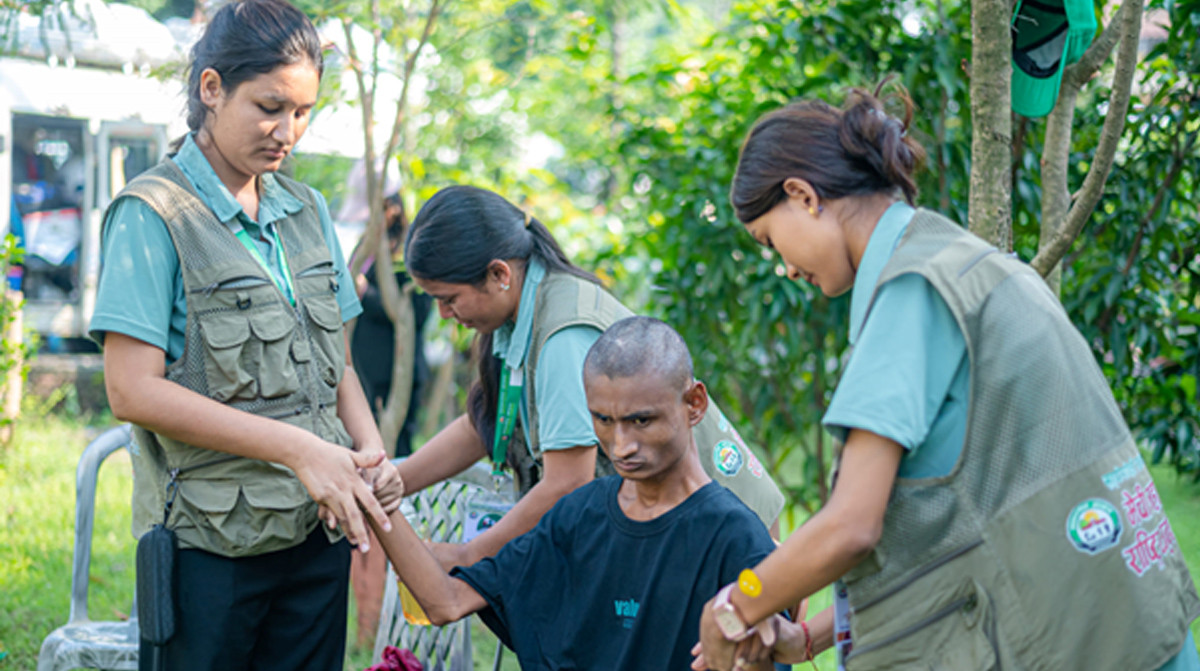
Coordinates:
[220,307]
[990,508]
[497,270]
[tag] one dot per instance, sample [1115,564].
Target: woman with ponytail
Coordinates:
[498,270]
[221,303]
[985,507]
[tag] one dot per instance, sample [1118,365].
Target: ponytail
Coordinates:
[453,239]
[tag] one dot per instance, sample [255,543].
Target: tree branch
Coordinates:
[1095,56]
[990,206]
[1130,20]
[367,104]
[410,64]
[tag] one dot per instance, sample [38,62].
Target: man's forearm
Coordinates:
[444,599]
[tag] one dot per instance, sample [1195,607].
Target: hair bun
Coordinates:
[880,140]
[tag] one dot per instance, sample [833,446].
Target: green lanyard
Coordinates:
[284,284]
[506,417]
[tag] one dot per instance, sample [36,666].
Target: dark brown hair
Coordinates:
[855,151]
[243,40]
[454,238]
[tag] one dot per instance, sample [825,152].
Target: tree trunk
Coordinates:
[991,142]
[395,412]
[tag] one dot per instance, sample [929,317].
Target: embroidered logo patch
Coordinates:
[727,458]
[1094,526]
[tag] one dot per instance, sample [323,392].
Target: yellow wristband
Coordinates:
[749,584]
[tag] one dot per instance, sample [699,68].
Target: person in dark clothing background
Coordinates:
[371,345]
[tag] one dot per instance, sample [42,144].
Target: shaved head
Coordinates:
[640,347]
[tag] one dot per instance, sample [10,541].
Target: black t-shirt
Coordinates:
[588,588]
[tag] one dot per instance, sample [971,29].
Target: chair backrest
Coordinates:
[441,509]
[86,476]
[82,642]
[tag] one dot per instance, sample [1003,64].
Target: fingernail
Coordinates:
[387,526]
[364,547]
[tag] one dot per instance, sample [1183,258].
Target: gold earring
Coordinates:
[812,212]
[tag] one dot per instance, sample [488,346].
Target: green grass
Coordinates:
[37,516]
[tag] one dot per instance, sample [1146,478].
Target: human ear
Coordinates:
[501,272]
[802,191]
[210,87]
[695,397]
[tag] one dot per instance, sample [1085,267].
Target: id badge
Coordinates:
[842,641]
[482,514]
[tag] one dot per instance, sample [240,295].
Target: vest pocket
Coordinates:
[226,334]
[237,518]
[955,634]
[326,318]
[273,327]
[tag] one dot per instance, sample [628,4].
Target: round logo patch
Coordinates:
[727,458]
[1094,526]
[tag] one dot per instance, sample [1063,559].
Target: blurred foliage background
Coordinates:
[618,122]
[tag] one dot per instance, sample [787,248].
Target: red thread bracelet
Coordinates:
[808,644]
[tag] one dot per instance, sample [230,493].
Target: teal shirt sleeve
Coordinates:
[906,379]
[140,283]
[563,417]
[346,296]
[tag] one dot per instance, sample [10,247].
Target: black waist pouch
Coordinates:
[156,584]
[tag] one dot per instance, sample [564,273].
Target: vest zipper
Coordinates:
[212,288]
[214,462]
[921,572]
[319,268]
[308,372]
[964,603]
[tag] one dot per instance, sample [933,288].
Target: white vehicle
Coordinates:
[78,119]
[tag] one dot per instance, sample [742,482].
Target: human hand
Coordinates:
[450,555]
[331,474]
[713,651]
[792,645]
[385,481]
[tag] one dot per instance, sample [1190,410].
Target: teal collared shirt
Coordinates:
[274,204]
[907,376]
[563,417]
[141,294]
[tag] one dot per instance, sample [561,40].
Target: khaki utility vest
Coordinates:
[1046,546]
[245,346]
[564,300]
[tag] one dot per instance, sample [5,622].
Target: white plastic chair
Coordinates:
[81,642]
[441,509]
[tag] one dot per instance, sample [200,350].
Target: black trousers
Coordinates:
[282,610]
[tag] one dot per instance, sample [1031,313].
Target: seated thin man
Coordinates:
[616,574]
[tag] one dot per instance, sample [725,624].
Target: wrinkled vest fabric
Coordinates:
[1046,546]
[565,300]
[245,346]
